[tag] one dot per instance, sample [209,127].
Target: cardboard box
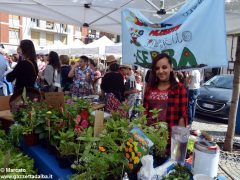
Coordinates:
[54,99]
[4,103]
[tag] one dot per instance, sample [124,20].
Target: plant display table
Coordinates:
[46,163]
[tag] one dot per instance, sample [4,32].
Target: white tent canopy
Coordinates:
[76,44]
[104,15]
[115,49]
[101,43]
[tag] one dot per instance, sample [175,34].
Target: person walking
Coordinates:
[194,79]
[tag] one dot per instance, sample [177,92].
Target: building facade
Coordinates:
[43,33]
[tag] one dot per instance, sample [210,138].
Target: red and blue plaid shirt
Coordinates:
[176,105]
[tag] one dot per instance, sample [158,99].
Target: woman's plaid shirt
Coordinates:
[177,105]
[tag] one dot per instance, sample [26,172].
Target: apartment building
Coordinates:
[11,30]
[43,33]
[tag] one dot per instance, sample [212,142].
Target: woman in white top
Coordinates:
[52,73]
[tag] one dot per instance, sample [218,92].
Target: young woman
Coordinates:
[165,93]
[26,71]
[52,73]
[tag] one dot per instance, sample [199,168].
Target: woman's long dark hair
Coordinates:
[54,61]
[154,81]
[28,49]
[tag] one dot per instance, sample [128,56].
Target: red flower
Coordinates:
[84,124]
[77,129]
[84,115]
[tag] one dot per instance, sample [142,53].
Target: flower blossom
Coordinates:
[84,124]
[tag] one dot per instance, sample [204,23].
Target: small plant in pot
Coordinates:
[157,133]
[67,154]
[26,117]
[26,124]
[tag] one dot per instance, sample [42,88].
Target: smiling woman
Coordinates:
[165,93]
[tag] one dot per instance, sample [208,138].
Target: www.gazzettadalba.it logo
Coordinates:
[9,173]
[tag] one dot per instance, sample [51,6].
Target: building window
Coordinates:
[11,16]
[63,28]
[14,36]
[35,36]
[35,21]
[64,39]
[49,38]
[14,21]
[49,25]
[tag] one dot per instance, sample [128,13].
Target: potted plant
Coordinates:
[157,133]
[26,117]
[67,154]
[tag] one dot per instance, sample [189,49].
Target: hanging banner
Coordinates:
[194,37]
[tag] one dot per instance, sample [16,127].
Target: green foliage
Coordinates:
[155,113]
[4,141]
[102,156]
[64,137]
[68,148]
[16,131]
[179,172]
[158,134]
[13,158]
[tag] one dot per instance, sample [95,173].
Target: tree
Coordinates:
[228,144]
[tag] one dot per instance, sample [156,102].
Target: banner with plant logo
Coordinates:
[194,37]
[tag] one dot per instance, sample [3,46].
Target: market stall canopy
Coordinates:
[105,15]
[101,43]
[76,43]
[114,49]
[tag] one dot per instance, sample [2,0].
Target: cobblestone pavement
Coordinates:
[229,165]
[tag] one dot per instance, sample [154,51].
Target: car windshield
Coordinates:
[225,82]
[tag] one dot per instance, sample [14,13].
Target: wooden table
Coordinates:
[6,119]
[6,114]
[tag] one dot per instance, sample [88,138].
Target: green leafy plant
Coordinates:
[68,148]
[12,158]
[155,113]
[105,157]
[64,137]
[158,134]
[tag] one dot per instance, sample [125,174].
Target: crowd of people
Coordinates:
[173,93]
[83,77]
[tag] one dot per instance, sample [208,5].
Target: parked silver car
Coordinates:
[215,97]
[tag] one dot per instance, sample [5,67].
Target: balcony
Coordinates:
[49,25]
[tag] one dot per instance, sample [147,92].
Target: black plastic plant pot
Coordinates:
[133,174]
[51,149]
[44,143]
[159,160]
[65,161]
